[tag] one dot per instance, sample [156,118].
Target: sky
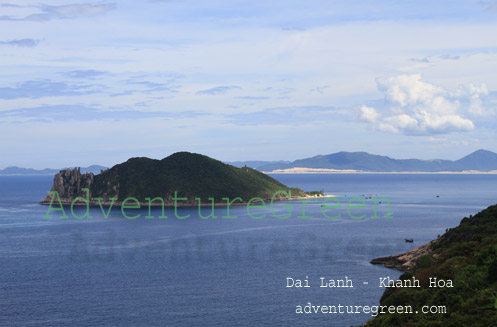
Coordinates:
[98,82]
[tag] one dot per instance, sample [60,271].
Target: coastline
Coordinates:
[405,261]
[302,170]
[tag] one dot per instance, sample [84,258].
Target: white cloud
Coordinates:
[368,114]
[415,107]
[407,89]
[474,95]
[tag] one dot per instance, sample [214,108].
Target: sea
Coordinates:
[239,271]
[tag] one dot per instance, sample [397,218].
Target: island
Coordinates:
[189,176]
[467,256]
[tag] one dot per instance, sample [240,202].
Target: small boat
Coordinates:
[409,240]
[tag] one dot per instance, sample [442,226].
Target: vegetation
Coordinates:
[191,175]
[467,255]
[316,193]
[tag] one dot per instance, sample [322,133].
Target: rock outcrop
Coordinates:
[68,184]
[405,261]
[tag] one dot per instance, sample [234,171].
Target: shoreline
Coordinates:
[405,261]
[303,170]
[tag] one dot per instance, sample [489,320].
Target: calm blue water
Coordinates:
[194,272]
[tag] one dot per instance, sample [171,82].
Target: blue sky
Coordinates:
[97,82]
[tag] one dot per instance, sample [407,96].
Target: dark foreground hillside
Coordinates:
[467,255]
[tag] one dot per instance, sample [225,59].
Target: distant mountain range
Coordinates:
[13,170]
[481,160]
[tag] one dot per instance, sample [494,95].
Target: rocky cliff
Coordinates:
[68,184]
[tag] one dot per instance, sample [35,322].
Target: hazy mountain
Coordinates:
[479,160]
[13,170]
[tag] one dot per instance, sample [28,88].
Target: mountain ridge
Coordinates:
[480,160]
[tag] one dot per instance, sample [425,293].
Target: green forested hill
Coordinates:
[191,175]
[467,255]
